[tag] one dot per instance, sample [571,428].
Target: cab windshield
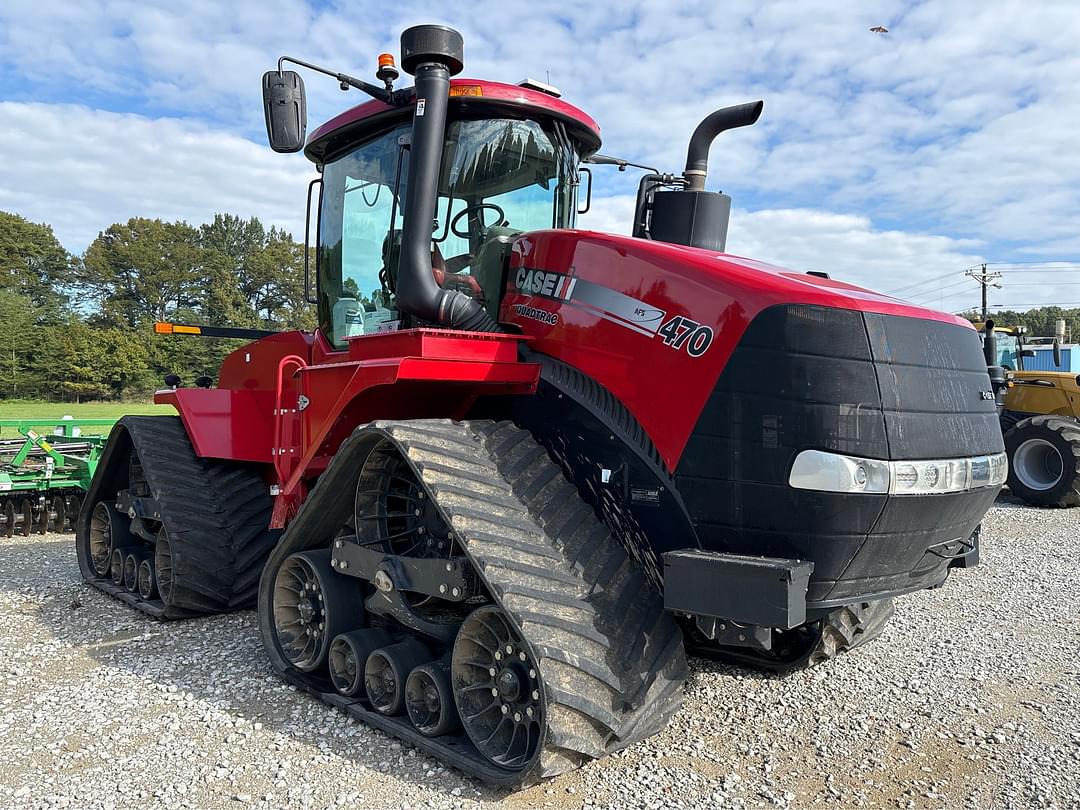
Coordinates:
[1008,350]
[499,177]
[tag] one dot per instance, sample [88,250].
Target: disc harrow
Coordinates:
[43,478]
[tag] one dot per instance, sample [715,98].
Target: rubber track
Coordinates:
[611,660]
[216,513]
[840,631]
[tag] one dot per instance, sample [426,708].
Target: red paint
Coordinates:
[665,388]
[531,100]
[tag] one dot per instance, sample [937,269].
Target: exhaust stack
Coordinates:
[690,215]
[697,155]
[432,54]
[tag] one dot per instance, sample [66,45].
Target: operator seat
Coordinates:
[492,264]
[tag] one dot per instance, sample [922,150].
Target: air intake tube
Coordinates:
[697,156]
[432,53]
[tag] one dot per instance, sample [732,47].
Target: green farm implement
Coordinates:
[43,475]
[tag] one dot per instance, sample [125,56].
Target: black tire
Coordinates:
[1044,460]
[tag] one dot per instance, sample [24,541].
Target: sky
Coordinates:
[895,161]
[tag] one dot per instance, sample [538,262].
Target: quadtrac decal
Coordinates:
[678,332]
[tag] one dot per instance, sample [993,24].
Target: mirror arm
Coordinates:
[346,81]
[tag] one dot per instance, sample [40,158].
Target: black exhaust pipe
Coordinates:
[697,155]
[431,53]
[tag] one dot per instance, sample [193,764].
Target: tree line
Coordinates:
[81,327]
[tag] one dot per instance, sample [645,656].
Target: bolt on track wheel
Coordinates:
[146,584]
[349,653]
[386,672]
[116,566]
[497,689]
[108,531]
[313,604]
[429,700]
[163,566]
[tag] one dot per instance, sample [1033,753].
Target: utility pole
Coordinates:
[985,279]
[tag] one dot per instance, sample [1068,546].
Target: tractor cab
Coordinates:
[508,163]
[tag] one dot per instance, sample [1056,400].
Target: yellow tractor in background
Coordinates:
[1040,419]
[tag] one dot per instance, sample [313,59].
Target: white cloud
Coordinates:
[958,123]
[82,170]
[850,248]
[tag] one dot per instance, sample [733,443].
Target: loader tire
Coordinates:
[214,515]
[557,589]
[1044,460]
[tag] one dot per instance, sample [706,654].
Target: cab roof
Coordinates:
[467,97]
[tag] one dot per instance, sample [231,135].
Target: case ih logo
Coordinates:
[541,282]
[678,332]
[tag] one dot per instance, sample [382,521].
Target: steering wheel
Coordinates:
[477,209]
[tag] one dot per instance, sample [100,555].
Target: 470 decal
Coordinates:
[682,332]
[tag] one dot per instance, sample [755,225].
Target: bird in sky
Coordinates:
[880,29]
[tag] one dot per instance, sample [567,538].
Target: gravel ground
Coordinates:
[970,698]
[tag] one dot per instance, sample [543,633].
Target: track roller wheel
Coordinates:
[349,653]
[163,567]
[57,513]
[497,689]
[132,561]
[7,517]
[429,700]
[147,585]
[313,604]
[109,532]
[116,566]
[386,671]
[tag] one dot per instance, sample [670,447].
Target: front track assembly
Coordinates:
[469,602]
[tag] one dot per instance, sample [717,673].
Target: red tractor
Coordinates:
[519,469]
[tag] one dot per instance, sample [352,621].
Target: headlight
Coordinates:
[834,472]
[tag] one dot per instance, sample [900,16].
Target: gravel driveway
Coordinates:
[971,698]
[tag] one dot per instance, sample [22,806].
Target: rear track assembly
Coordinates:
[191,532]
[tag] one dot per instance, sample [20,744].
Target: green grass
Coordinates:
[49,411]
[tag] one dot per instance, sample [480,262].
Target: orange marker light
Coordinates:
[386,60]
[467,90]
[163,328]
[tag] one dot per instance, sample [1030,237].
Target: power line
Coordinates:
[920,283]
[985,278]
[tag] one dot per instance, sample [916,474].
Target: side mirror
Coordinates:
[285,108]
[1057,354]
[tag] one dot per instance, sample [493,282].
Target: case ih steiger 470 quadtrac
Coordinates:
[519,468]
